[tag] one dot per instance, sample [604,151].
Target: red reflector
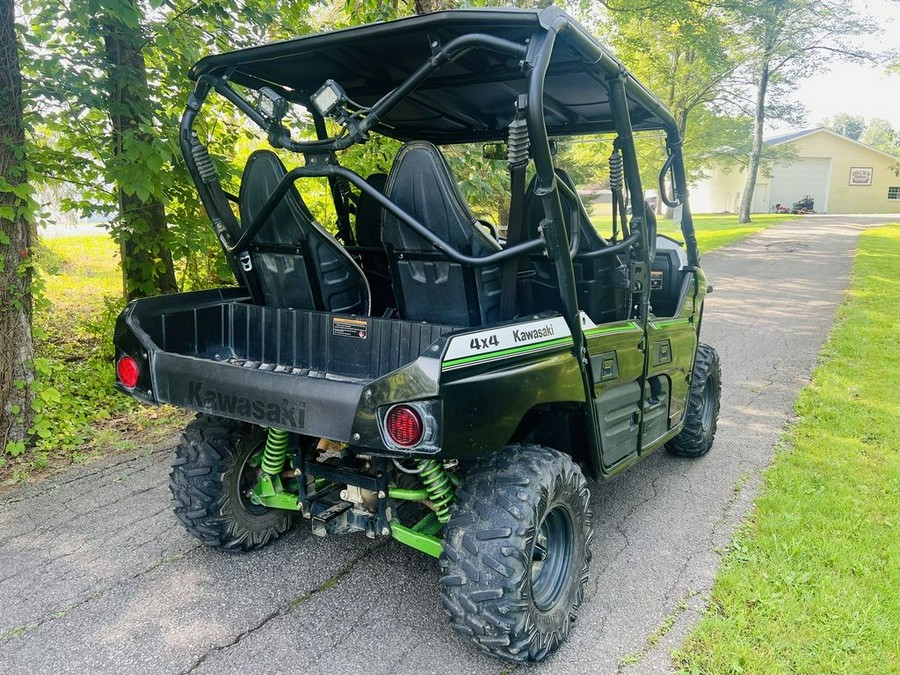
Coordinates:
[127,371]
[404,426]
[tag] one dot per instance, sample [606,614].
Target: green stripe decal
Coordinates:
[670,322]
[605,330]
[511,351]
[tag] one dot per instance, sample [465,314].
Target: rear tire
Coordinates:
[517,551]
[209,480]
[701,420]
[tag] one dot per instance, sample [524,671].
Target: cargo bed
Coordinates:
[300,370]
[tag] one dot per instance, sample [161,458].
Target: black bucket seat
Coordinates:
[295,260]
[428,286]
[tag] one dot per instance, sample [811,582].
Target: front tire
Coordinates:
[210,477]
[701,418]
[517,551]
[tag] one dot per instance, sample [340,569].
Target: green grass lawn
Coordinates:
[79,273]
[713,230]
[812,583]
[716,231]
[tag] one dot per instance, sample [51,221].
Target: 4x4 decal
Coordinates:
[507,342]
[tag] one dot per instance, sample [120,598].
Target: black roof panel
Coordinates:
[470,99]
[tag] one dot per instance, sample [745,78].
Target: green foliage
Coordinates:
[94,125]
[812,583]
[851,126]
[688,54]
[74,325]
[880,134]
[484,182]
[71,395]
[76,410]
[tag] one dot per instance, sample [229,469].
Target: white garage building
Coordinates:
[842,176]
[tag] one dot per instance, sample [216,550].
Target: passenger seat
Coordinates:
[429,286]
[298,263]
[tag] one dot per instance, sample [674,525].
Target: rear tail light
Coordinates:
[404,426]
[127,371]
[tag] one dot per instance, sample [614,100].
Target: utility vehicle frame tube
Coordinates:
[326,170]
[593,53]
[555,235]
[451,51]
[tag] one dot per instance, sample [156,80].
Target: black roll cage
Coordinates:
[534,58]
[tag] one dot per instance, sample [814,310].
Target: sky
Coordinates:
[857,89]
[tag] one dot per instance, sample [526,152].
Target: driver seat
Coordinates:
[297,262]
[428,286]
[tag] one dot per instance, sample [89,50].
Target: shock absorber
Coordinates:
[616,171]
[517,144]
[205,166]
[617,186]
[276,451]
[438,486]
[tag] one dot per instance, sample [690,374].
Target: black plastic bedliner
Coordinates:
[299,370]
[299,342]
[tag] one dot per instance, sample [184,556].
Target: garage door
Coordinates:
[806,176]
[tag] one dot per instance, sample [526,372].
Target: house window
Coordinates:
[894,192]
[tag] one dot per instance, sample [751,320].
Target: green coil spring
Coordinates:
[438,486]
[276,451]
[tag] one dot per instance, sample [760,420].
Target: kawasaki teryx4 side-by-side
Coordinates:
[417,375]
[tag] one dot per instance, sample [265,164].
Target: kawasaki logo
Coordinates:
[526,335]
[284,414]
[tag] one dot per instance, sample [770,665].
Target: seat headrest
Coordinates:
[422,184]
[262,174]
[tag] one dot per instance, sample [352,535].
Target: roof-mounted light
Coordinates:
[272,104]
[329,98]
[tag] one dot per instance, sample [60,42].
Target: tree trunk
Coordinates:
[16,349]
[756,151]
[141,230]
[425,6]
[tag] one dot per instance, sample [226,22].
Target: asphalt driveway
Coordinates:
[96,575]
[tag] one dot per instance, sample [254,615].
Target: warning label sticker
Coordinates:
[352,328]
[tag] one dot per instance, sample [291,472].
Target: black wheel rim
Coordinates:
[706,416]
[551,558]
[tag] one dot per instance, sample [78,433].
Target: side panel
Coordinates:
[617,365]
[618,411]
[483,407]
[490,378]
[673,343]
[672,346]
